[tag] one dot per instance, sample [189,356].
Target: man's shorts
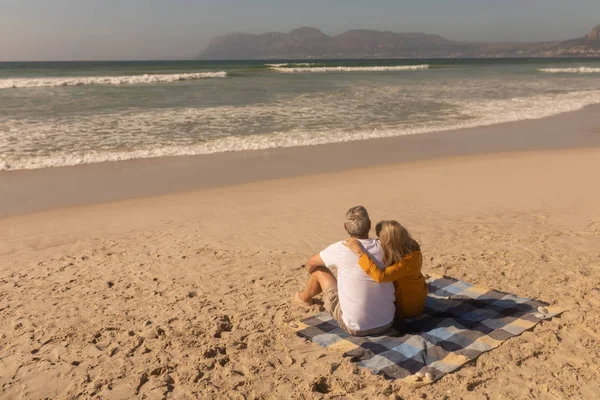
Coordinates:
[331,301]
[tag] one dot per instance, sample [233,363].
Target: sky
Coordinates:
[45,30]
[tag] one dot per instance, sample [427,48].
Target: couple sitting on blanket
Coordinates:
[378,279]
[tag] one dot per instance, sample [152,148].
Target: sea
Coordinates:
[68,113]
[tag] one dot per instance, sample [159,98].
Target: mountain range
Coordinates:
[311,43]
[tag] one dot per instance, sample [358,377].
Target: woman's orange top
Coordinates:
[411,288]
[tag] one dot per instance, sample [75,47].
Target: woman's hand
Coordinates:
[354,245]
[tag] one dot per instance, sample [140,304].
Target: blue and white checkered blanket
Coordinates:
[460,322]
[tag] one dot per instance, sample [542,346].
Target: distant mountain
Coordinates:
[311,43]
[594,36]
[588,46]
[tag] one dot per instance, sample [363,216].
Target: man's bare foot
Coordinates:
[298,298]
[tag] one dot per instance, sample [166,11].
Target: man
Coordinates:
[361,306]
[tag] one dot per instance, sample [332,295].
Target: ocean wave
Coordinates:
[106,80]
[579,70]
[286,64]
[137,131]
[351,69]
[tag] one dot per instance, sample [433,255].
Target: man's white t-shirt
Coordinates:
[365,303]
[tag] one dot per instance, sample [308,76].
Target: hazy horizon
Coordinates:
[35,30]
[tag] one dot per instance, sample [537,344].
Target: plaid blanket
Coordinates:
[460,322]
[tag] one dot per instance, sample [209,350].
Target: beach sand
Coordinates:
[188,295]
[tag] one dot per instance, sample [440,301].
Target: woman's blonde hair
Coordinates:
[395,241]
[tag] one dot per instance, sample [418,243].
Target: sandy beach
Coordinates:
[183,289]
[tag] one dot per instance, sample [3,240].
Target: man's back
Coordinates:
[365,303]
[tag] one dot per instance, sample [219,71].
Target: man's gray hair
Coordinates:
[357,221]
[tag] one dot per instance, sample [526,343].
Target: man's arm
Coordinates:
[314,262]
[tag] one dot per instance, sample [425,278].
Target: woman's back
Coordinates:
[402,255]
[411,288]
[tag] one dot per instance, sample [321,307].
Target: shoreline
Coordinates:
[482,181]
[30,191]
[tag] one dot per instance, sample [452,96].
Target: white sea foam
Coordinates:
[351,69]
[286,64]
[578,70]
[137,131]
[106,80]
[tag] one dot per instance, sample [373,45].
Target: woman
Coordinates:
[403,259]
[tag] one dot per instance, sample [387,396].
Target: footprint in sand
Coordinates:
[320,385]
[215,351]
[223,324]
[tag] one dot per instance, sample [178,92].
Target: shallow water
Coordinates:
[54,114]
